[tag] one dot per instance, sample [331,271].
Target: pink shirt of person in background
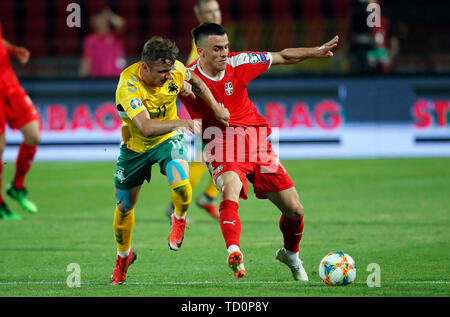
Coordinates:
[105,54]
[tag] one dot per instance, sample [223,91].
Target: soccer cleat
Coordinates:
[7,214]
[236,263]
[21,196]
[120,271]
[295,265]
[176,235]
[209,204]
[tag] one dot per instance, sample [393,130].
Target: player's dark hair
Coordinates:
[159,49]
[206,29]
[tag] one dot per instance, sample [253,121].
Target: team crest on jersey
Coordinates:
[173,88]
[253,58]
[135,103]
[229,88]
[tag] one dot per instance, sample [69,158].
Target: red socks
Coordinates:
[230,224]
[292,229]
[23,164]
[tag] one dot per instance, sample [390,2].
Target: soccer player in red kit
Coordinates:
[18,111]
[227,76]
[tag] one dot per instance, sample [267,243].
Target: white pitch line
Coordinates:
[147,283]
[209,283]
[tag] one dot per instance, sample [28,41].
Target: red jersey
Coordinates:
[231,90]
[8,79]
[3,51]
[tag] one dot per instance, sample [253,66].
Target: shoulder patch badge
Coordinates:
[263,58]
[135,103]
[253,58]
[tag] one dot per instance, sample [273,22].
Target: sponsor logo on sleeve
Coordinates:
[263,58]
[135,103]
[253,58]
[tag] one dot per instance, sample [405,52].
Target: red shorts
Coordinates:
[266,175]
[16,109]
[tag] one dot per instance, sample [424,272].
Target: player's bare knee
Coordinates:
[300,210]
[2,143]
[122,209]
[229,186]
[32,140]
[230,191]
[294,210]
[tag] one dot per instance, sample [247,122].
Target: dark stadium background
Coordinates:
[409,99]
[368,151]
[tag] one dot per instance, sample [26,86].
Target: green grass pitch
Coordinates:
[393,212]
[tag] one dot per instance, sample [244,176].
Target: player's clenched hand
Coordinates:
[188,126]
[223,115]
[186,90]
[22,54]
[197,126]
[325,49]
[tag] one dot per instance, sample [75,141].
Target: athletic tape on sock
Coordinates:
[179,169]
[124,196]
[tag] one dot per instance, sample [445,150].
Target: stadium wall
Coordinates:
[341,117]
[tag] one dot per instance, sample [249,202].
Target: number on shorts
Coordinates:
[175,143]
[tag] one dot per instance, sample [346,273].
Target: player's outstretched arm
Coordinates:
[150,127]
[298,54]
[116,20]
[200,89]
[22,54]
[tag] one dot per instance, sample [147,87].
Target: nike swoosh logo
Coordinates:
[298,234]
[179,243]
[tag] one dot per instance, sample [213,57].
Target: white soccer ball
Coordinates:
[337,269]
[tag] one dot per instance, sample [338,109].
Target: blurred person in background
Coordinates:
[371,49]
[18,111]
[205,11]
[385,45]
[103,50]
